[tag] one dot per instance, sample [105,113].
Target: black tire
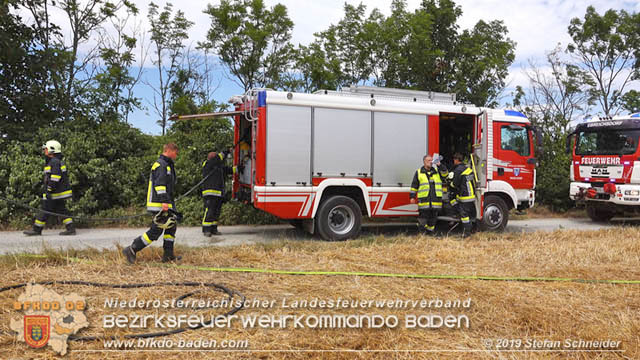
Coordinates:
[339,218]
[599,215]
[495,214]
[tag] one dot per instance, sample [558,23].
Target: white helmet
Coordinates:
[53,146]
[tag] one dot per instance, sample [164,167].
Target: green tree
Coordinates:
[608,47]
[73,77]
[252,41]
[422,50]
[482,63]
[112,97]
[167,36]
[27,100]
[631,101]
[552,101]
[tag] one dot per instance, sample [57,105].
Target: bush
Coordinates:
[552,177]
[109,166]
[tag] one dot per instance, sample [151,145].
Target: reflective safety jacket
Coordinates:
[162,183]
[213,185]
[427,187]
[56,179]
[463,185]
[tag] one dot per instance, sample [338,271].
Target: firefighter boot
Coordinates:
[168,255]
[36,231]
[214,230]
[130,251]
[466,230]
[71,230]
[129,254]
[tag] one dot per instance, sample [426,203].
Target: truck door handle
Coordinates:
[501,171]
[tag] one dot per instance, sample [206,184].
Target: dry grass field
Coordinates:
[524,311]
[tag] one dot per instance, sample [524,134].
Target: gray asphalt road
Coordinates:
[15,242]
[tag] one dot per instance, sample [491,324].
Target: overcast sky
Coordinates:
[535,25]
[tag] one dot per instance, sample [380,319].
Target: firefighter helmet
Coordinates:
[53,146]
[164,219]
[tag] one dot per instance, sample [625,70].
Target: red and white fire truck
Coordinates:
[325,160]
[605,172]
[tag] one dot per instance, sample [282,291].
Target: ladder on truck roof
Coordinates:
[395,94]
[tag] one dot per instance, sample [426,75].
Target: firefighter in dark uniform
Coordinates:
[426,191]
[214,172]
[56,190]
[462,193]
[161,202]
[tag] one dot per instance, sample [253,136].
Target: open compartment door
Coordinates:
[480,153]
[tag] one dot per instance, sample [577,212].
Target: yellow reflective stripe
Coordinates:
[207,223]
[58,177]
[155,165]
[47,168]
[469,197]
[146,238]
[161,188]
[414,189]
[215,223]
[157,205]
[206,210]
[63,168]
[168,169]
[67,221]
[467,171]
[167,236]
[235,169]
[204,163]
[220,155]
[38,222]
[61,194]
[215,192]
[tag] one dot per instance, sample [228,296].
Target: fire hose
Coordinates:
[83,218]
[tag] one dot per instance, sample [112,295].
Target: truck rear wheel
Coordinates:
[599,215]
[339,218]
[495,214]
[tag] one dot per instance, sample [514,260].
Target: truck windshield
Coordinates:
[607,142]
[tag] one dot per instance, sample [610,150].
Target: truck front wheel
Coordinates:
[495,214]
[339,218]
[599,215]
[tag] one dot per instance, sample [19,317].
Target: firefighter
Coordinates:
[161,202]
[214,172]
[212,189]
[56,190]
[426,191]
[462,193]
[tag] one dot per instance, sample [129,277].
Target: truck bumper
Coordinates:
[626,194]
[526,198]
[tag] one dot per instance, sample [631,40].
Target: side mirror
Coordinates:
[538,134]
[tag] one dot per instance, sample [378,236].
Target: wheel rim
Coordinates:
[341,219]
[493,215]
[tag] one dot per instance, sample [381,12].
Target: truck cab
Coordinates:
[605,169]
